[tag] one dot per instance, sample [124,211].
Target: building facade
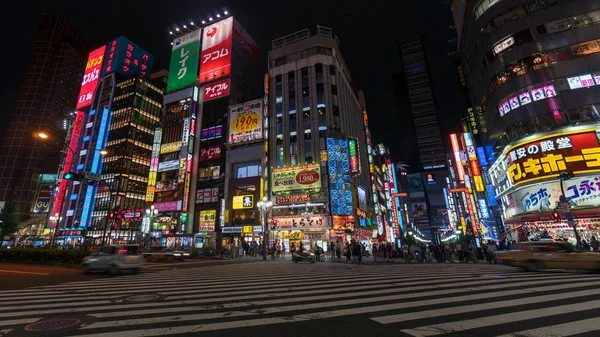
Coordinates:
[315,120]
[533,67]
[45,98]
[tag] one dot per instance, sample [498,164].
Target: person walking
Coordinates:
[594,244]
[388,250]
[405,252]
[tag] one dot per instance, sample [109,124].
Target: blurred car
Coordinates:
[540,255]
[114,259]
[167,255]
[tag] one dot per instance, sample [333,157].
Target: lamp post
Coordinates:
[151,213]
[264,206]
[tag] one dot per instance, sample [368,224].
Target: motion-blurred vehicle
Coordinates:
[540,255]
[114,259]
[304,256]
[167,255]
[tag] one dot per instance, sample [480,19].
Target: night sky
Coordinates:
[367,30]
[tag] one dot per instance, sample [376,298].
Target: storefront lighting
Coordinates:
[226,12]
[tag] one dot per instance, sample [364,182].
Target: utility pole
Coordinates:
[564,176]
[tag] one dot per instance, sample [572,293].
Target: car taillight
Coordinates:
[122,251]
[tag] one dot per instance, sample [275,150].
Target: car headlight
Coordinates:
[177,254]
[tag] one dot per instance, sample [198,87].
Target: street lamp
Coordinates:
[264,206]
[42,135]
[151,213]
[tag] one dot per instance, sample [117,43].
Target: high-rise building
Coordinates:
[317,145]
[47,96]
[211,69]
[111,138]
[533,67]
[422,104]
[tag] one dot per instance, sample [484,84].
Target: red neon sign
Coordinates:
[457,161]
[90,78]
[215,61]
[73,143]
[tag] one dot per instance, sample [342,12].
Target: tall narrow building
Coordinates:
[422,104]
[47,95]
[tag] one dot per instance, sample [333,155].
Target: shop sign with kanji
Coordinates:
[301,222]
[548,156]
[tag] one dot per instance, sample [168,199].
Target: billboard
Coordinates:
[90,77]
[127,58]
[305,177]
[354,155]
[243,201]
[245,122]
[184,61]
[415,186]
[318,221]
[215,61]
[216,90]
[211,152]
[340,187]
[41,205]
[211,133]
[207,220]
[547,156]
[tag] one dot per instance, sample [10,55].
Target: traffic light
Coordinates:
[555,216]
[566,175]
[73,176]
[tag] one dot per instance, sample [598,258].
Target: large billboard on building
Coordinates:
[315,221]
[296,178]
[245,122]
[90,77]
[580,192]
[215,61]
[547,156]
[127,58]
[183,69]
[340,187]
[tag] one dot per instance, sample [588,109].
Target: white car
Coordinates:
[114,259]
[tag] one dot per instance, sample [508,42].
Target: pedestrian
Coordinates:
[388,249]
[347,252]
[585,245]
[358,252]
[405,252]
[594,244]
[293,248]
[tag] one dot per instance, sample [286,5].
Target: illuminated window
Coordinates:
[248,169]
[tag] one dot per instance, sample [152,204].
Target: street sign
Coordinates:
[91,176]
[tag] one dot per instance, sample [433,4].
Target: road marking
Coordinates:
[167,319]
[22,272]
[482,322]
[19,321]
[560,330]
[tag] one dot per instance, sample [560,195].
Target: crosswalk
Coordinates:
[413,300]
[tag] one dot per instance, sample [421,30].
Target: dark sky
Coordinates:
[367,30]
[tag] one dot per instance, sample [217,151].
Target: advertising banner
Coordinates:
[415,186]
[343,222]
[318,221]
[215,62]
[292,199]
[207,220]
[41,205]
[234,229]
[211,133]
[245,122]
[216,90]
[207,195]
[549,155]
[212,152]
[47,178]
[170,147]
[127,58]
[169,185]
[90,77]
[243,202]
[340,189]
[168,206]
[168,165]
[296,178]
[184,61]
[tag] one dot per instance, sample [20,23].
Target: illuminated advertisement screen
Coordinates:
[216,90]
[215,61]
[305,177]
[340,188]
[245,122]
[537,94]
[90,77]
[548,156]
[127,58]
[211,133]
[525,98]
[354,155]
[184,61]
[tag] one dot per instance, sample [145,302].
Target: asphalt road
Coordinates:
[280,298]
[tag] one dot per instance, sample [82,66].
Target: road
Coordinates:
[280,298]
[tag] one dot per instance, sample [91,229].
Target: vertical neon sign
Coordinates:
[456,150]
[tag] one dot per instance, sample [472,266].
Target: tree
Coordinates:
[9,218]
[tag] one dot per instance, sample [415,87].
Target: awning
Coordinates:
[32,221]
[547,216]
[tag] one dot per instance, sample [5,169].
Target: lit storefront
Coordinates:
[529,187]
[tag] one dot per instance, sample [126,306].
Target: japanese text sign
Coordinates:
[216,90]
[211,152]
[245,122]
[215,61]
[318,221]
[290,199]
[91,76]
[243,201]
[211,133]
[207,220]
[184,61]
[296,178]
[127,58]
[550,155]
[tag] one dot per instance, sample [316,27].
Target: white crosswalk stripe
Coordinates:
[418,300]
